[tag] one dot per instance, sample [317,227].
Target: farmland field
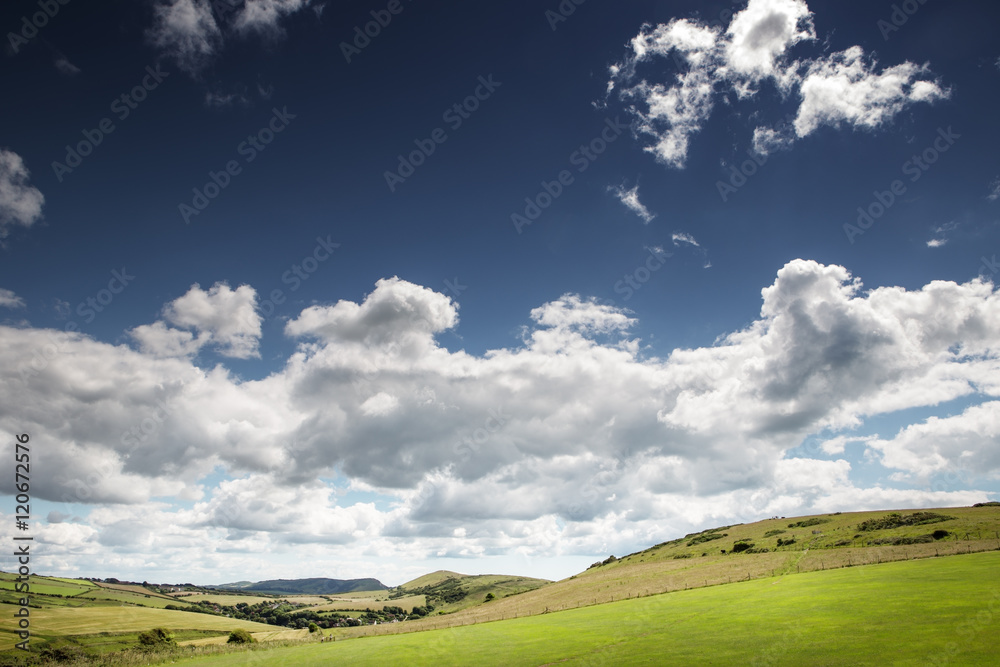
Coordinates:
[903,613]
[62,622]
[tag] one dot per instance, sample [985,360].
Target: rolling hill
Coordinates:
[841,554]
[449,592]
[316,586]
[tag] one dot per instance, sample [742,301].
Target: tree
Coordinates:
[490,596]
[313,628]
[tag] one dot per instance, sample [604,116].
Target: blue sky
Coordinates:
[500,287]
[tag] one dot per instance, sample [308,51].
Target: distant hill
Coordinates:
[317,586]
[450,591]
[432,579]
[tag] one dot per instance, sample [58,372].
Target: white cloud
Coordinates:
[845,88]
[222,316]
[631,200]
[159,340]
[682,237]
[10,300]
[189,32]
[767,140]
[379,405]
[969,442]
[760,35]
[994,190]
[841,88]
[543,448]
[265,15]
[186,30]
[397,309]
[66,67]
[570,312]
[20,203]
[936,243]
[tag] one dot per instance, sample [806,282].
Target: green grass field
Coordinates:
[925,612]
[624,602]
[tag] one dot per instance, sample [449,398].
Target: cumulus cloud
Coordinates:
[394,311]
[192,32]
[20,203]
[547,446]
[10,300]
[221,316]
[845,88]
[840,88]
[759,36]
[631,200]
[969,442]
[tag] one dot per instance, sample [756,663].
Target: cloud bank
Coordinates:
[545,447]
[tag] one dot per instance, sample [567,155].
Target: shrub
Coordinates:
[992,503]
[156,637]
[679,556]
[785,543]
[490,596]
[706,537]
[772,533]
[895,520]
[940,534]
[241,636]
[897,541]
[815,521]
[313,628]
[60,654]
[742,546]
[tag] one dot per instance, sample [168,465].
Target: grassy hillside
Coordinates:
[696,561]
[102,617]
[449,592]
[922,612]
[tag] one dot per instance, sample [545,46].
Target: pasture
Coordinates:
[904,613]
